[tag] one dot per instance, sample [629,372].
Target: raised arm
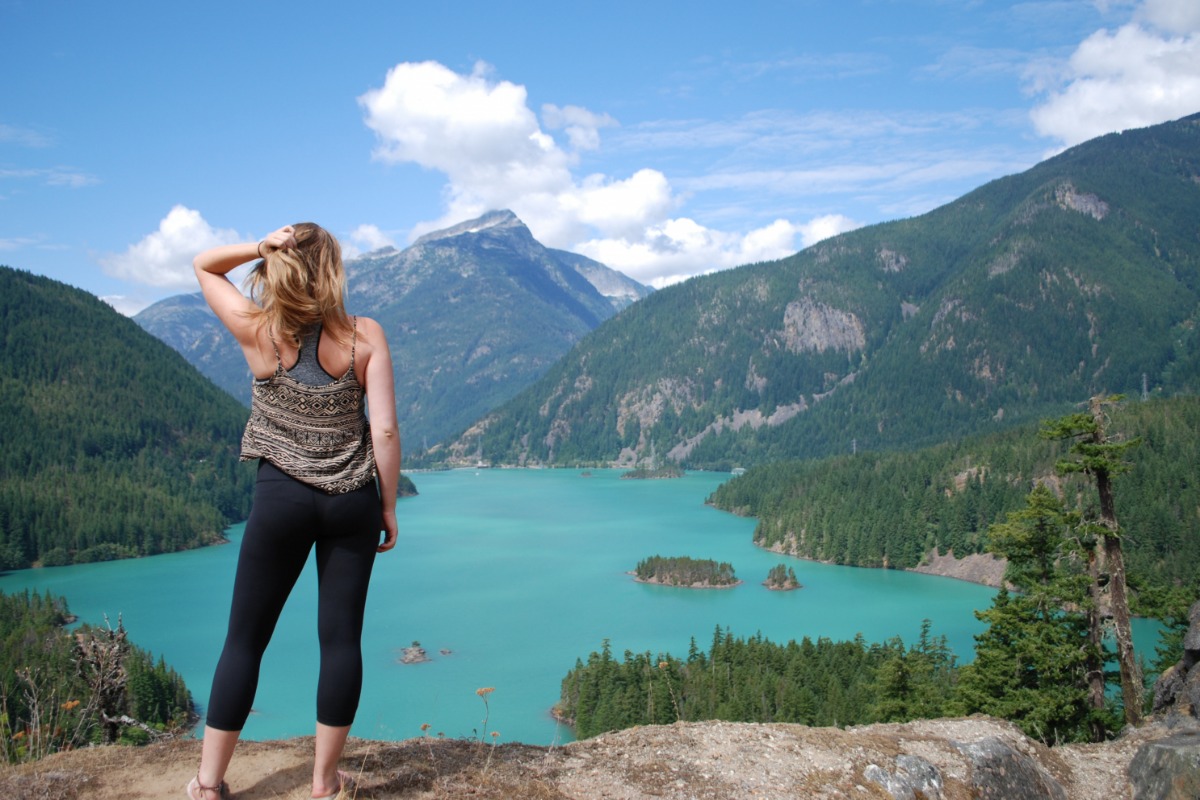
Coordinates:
[212,270]
[379,383]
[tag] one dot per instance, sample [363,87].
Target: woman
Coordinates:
[326,479]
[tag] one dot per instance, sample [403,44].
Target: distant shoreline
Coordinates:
[982,569]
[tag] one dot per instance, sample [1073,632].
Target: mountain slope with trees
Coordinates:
[1078,277]
[113,446]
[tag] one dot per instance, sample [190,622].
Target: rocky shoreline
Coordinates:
[983,568]
[700,585]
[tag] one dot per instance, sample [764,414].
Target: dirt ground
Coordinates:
[706,761]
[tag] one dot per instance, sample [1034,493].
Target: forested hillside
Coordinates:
[892,509]
[64,689]
[188,325]
[1078,277]
[112,445]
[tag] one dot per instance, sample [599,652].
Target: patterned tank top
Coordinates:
[317,434]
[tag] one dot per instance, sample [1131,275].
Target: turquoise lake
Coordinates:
[517,573]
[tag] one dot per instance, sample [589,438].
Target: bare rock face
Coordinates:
[1168,769]
[1002,772]
[814,327]
[1067,197]
[1177,690]
[913,777]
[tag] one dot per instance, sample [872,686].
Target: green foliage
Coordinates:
[754,680]
[113,446]
[781,576]
[891,509]
[1086,456]
[647,473]
[1031,664]
[685,571]
[64,689]
[1030,667]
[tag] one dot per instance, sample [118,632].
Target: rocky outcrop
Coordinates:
[946,759]
[983,568]
[1177,690]
[1068,197]
[1169,769]
[809,326]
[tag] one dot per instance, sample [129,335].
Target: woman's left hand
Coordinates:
[391,530]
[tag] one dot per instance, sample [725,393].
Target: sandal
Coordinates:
[345,783]
[195,789]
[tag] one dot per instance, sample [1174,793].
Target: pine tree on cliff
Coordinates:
[1094,454]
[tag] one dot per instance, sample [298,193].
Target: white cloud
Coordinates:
[582,126]
[1172,16]
[682,248]
[364,239]
[1144,73]
[482,135]
[123,304]
[824,227]
[26,137]
[479,133]
[18,242]
[164,258]
[52,176]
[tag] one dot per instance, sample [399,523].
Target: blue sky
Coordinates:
[666,139]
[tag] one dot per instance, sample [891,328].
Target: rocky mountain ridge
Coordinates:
[474,313]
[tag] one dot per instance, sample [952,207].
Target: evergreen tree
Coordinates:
[1094,454]
[1032,663]
[1029,668]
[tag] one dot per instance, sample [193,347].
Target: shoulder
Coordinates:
[368,327]
[370,332]
[370,337]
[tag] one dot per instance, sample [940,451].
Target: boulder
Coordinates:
[1177,690]
[1168,769]
[914,778]
[1001,772]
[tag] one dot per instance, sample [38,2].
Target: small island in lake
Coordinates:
[414,654]
[782,578]
[647,474]
[689,573]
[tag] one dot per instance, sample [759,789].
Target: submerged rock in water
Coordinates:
[414,654]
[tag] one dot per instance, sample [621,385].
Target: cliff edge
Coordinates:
[976,757]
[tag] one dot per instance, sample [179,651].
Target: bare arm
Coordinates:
[212,268]
[379,383]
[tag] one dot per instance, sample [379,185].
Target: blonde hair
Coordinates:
[296,288]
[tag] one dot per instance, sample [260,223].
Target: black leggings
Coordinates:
[287,519]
